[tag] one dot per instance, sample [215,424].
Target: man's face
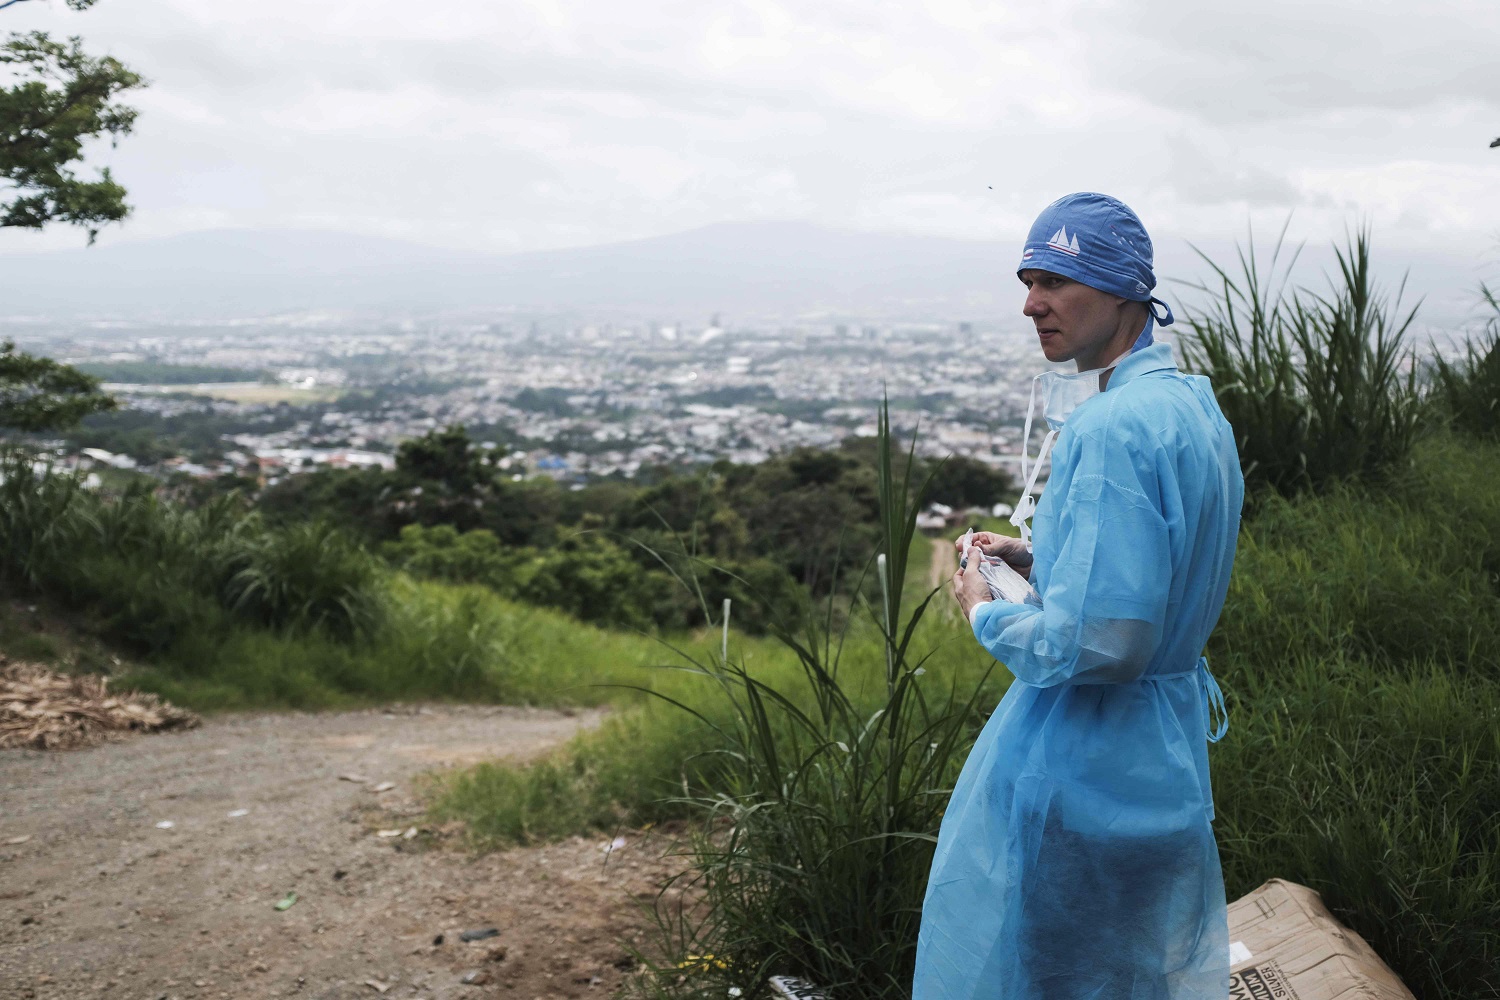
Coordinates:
[1072,320]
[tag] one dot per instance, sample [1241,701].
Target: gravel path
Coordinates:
[99,897]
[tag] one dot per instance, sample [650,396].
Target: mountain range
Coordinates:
[746,268]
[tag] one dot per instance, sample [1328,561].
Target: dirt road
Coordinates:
[939,574]
[100,897]
[943,565]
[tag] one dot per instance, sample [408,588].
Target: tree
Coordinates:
[40,394]
[60,97]
[445,457]
[961,481]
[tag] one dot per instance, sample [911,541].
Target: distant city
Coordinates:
[574,402]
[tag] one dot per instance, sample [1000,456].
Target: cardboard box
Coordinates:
[1285,945]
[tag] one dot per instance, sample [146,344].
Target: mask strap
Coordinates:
[1026,432]
[1026,505]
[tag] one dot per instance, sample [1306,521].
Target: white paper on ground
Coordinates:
[1238,953]
[796,989]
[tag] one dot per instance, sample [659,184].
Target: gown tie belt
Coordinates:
[1213,697]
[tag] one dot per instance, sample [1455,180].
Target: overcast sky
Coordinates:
[509,125]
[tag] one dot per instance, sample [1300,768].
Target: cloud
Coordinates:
[1276,59]
[1199,176]
[528,124]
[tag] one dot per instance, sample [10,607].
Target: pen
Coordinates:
[963,562]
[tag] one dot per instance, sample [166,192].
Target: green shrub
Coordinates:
[307,576]
[153,570]
[39,519]
[1319,388]
[442,552]
[1466,392]
[823,811]
[146,611]
[596,578]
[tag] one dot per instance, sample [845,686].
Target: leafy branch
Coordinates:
[40,394]
[60,98]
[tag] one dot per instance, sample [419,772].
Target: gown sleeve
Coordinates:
[1102,607]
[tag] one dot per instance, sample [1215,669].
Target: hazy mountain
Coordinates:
[761,267]
[777,267]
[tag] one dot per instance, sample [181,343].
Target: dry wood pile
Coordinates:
[51,711]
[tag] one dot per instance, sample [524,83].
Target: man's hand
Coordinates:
[1011,550]
[969,586]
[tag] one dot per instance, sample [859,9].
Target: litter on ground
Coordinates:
[45,710]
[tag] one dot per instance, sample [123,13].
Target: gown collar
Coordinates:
[1156,358]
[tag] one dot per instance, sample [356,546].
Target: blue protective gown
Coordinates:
[1076,858]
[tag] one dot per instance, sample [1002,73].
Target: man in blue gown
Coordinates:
[1076,859]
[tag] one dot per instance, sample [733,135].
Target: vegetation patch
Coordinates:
[163,373]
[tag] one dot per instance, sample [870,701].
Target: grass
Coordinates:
[643,765]
[1359,651]
[435,641]
[1358,648]
[819,824]
[1466,390]
[1320,387]
[263,393]
[217,610]
[1381,791]
[1394,576]
[249,393]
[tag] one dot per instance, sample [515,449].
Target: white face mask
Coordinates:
[1062,393]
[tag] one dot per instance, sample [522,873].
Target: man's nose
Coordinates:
[1035,306]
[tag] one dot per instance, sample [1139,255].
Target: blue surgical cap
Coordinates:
[1097,240]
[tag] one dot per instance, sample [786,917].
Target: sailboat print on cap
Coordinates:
[1060,241]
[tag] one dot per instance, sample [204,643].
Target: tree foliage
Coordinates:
[769,536]
[446,458]
[59,98]
[40,394]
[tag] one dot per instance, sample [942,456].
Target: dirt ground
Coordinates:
[940,570]
[100,898]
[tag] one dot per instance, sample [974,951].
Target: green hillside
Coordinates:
[1359,647]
